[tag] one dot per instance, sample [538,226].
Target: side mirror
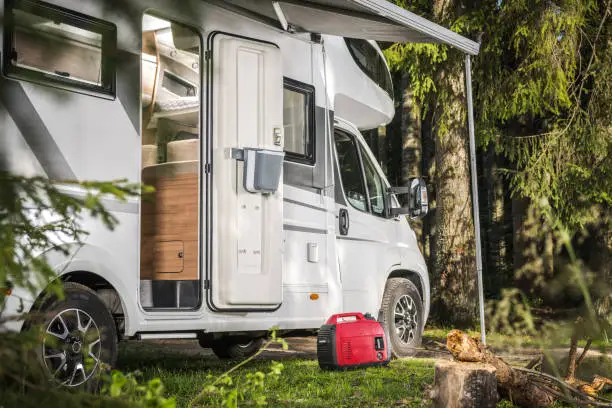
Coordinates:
[418,204]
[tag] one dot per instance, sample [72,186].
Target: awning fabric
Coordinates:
[377,20]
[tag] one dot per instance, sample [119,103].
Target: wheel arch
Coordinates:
[102,287]
[412,276]
[418,280]
[85,268]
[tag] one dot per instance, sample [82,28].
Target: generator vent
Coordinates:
[347,352]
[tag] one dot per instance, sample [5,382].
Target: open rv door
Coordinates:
[245,199]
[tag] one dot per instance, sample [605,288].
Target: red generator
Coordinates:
[352,340]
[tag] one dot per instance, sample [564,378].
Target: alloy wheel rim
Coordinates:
[245,345]
[405,319]
[71,347]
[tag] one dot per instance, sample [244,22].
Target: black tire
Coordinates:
[403,344]
[236,348]
[89,329]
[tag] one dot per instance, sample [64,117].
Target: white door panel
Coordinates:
[247,228]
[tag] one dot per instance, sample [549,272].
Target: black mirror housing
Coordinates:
[419,200]
[418,203]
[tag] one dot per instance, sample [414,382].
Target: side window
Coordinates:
[56,46]
[370,62]
[375,186]
[350,171]
[298,121]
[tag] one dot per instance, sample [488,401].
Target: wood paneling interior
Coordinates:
[169,217]
[170,221]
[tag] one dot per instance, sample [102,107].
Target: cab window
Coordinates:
[376,191]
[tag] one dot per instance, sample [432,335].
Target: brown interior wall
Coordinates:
[169,217]
[170,222]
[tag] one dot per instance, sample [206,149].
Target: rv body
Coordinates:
[289,258]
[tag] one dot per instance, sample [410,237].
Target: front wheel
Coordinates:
[402,316]
[236,348]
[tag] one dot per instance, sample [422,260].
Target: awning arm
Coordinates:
[280,15]
[476,212]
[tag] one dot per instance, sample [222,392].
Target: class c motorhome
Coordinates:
[269,208]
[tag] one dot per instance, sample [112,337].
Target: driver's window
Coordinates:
[375,186]
[350,171]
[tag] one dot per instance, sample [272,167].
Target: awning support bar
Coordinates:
[280,15]
[476,212]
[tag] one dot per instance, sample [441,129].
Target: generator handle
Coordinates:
[334,318]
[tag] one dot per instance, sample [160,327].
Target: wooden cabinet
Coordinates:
[169,230]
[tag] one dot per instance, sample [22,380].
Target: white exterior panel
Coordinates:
[247,231]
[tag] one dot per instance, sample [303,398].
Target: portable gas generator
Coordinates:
[352,340]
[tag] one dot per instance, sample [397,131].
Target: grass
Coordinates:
[302,384]
[405,383]
[184,367]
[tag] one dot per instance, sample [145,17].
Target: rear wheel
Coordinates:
[402,316]
[236,348]
[78,337]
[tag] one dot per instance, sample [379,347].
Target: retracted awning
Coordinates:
[378,20]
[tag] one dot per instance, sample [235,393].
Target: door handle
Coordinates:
[343,219]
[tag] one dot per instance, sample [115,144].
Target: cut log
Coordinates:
[513,384]
[464,385]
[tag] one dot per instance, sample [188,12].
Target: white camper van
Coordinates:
[269,210]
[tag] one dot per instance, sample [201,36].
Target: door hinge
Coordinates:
[207,55]
[207,168]
[207,284]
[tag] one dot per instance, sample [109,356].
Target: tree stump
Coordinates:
[464,385]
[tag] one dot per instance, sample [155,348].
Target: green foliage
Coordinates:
[420,61]
[126,387]
[37,218]
[513,314]
[226,391]
[543,83]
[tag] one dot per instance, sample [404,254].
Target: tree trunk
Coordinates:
[496,210]
[454,277]
[455,263]
[382,148]
[512,383]
[428,170]
[464,385]
[524,387]
[411,147]
[411,136]
[519,212]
